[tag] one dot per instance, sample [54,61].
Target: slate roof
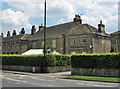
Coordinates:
[117,32]
[69,28]
[16,37]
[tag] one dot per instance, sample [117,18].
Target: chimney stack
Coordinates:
[8,34]
[22,31]
[2,35]
[33,30]
[40,27]
[14,32]
[101,27]
[77,19]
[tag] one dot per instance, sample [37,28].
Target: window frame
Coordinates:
[84,39]
[54,43]
[73,41]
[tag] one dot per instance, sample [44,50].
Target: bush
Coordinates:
[36,60]
[96,60]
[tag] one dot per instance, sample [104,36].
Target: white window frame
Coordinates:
[73,41]
[54,43]
[84,38]
[12,45]
[17,44]
[34,44]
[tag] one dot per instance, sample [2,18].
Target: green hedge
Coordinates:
[37,60]
[109,60]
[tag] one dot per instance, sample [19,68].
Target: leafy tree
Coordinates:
[50,47]
[114,49]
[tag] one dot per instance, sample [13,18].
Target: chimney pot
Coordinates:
[14,32]
[2,35]
[41,26]
[101,27]
[8,34]
[77,19]
[33,30]
[22,31]
[100,21]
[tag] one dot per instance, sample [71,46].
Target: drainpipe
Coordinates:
[64,43]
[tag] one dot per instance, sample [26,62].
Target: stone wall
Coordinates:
[96,72]
[38,69]
[101,44]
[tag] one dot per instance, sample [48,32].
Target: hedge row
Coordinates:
[36,60]
[96,61]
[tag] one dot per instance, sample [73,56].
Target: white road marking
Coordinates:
[95,85]
[18,80]
[43,79]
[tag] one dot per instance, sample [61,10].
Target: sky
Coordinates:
[16,14]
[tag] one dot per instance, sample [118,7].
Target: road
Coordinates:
[21,79]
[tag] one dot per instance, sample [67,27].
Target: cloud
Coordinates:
[12,20]
[60,21]
[36,9]
[94,10]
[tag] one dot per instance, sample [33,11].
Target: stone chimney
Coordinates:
[33,30]
[2,35]
[77,19]
[40,27]
[22,31]
[14,32]
[101,27]
[8,34]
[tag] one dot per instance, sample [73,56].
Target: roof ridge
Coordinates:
[58,24]
[88,27]
[70,28]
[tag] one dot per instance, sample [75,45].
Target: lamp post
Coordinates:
[44,66]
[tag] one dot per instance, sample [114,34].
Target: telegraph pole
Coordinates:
[44,68]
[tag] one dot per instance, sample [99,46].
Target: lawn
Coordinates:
[96,78]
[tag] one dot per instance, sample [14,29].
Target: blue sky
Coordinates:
[25,13]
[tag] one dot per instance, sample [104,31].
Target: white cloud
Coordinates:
[36,9]
[12,20]
[95,10]
[60,21]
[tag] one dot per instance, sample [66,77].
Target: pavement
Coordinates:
[24,79]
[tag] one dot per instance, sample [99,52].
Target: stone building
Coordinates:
[15,44]
[115,40]
[67,38]
[73,37]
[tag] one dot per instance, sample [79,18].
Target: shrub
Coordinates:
[96,60]
[37,60]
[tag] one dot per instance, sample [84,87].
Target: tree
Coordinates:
[114,49]
[50,47]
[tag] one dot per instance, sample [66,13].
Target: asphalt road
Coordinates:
[21,79]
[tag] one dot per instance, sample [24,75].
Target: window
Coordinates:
[42,44]
[17,44]
[4,45]
[16,52]
[84,39]
[34,44]
[73,41]
[54,43]
[117,41]
[8,46]
[12,52]
[12,45]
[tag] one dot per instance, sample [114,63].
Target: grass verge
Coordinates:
[109,79]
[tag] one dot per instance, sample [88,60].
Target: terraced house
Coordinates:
[15,44]
[115,40]
[73,37]
[68,38]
